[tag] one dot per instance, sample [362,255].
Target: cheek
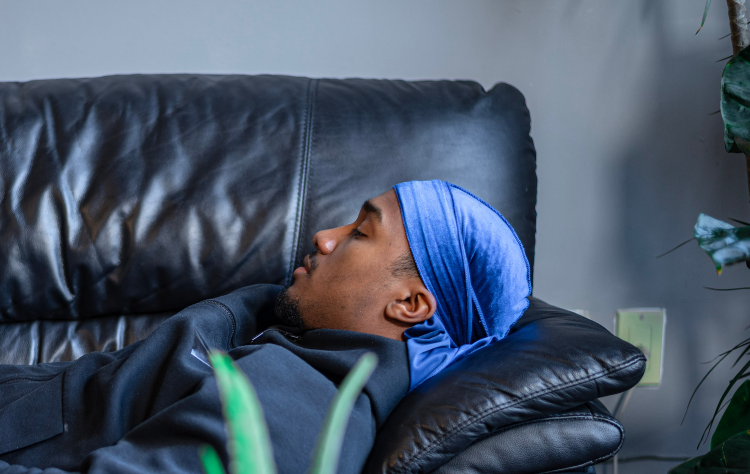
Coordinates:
[359,283]
[348,283]
[342,287]
[356,275]
[349,264]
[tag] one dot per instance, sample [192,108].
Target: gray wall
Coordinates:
[619,94]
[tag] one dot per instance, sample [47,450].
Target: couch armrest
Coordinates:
[553,360]
[571,440]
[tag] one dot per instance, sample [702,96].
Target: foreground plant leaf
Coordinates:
[723,242]
[334,427]
[735,103]
[210,460]
[248,441]
[736,417]
[705,14]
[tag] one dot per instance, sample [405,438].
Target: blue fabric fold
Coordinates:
[472,261]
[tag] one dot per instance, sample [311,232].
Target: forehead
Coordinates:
[384,207]
[387,198]
[390,213]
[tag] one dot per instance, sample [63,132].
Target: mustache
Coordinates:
[314,260]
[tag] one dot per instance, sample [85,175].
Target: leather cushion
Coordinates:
[568,441]
[367,136]
[553,360]
[147,193]
[56,341]
[144,194]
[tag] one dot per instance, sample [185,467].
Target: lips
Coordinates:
[305,268]
[307,264]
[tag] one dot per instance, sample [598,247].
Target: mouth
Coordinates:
[306,267]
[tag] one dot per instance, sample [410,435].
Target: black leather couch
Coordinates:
[127,198]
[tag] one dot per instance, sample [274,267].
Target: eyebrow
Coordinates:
[371,208]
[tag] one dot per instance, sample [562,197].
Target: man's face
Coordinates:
[348,281]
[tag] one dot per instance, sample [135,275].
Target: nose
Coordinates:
[326,240]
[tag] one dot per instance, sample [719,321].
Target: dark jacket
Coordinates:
[151,405]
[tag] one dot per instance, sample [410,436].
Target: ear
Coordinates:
[413,304]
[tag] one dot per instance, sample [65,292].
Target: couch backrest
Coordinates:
[142,194]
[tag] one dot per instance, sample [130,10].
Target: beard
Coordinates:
[287,309]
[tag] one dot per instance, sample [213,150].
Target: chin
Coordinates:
[287,309]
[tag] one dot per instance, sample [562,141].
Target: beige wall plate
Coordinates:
[645,328]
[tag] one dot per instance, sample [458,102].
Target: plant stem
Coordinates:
[740,40]
[738,25]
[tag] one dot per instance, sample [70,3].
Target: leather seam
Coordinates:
[310,145]
[303,173]
[303,152]
[597,418]
[455,430]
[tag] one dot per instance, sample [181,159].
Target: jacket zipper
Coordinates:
[286,334]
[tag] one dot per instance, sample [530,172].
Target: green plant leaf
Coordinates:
[723,242]
[210,460]
[332,437]
[675,248]
[705,14]
[721,357]
[688,467]
[736,417]
[731,456]
[740,375]
[735,102]
[248,441]
[742,354]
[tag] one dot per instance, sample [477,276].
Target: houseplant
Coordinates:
[727,244]
[248,441]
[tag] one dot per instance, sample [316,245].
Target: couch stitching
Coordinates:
[455,430]
[302,184]
[555,417]
[309,171]
[302,151]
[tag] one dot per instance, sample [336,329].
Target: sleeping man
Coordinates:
[427,274]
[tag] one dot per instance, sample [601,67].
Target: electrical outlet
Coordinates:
[645,328]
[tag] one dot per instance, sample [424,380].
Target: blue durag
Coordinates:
[472,262]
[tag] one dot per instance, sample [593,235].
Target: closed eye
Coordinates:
[357,233]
